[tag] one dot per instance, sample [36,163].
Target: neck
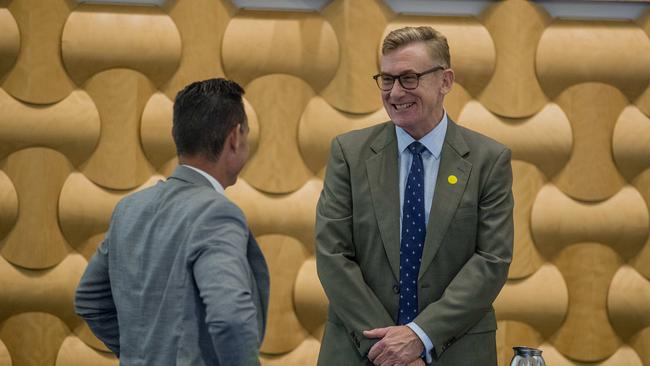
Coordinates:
[419,131]
[212,167]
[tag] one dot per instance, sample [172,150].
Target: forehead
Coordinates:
[411,57]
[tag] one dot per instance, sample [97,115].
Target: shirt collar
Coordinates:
[432,141]
[215,183]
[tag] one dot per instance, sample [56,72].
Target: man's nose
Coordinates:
[397,90]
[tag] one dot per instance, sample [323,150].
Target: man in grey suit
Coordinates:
[179,278]
[414,224]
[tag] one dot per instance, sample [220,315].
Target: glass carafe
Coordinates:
[526,356]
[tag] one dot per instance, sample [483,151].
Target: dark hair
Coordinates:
[205,112]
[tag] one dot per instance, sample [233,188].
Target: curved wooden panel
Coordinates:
[628,301]
[630,142]
[593,110]
[641,344]
[277,166]
[623,356]
[5,357]
[320,123]
[118,161]
[514,90]
[262,43]
[620,222]
[520,300]
[70,126]
[201,25]
[642,261]
[36,241]
[284,256]
[305,354]
[22,332]
[310,300]
[587,269]
[8,205]
[38,75]
[85,210]
[9,41]
[643,102]
[91,30]
[527,181]
[74,352]
[352,90]
[473,57]
[50,291]
[544,139]
[456,101]
[292,214]
[512,333]
[574,52]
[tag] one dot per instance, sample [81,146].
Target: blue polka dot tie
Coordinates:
[413,233]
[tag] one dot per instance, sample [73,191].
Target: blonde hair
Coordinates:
[435,42]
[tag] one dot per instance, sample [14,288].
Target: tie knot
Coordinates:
[416,148]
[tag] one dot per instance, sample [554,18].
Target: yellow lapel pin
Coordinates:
[452,179]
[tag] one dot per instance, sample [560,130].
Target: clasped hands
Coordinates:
[399,345]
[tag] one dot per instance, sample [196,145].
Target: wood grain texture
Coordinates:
[21,332]
[74,352]
[8,204]
[89,33]
[511,334]
[277,166]
[520,300]
[38,75]
[310,300]
[292,214]
[201,25]
[305,354]
[527,180]
[262,43]
[630,145]
[36,241]
[628,301]
[621,222]
[118,161]
[514,90]
[359,26]
[9,41]
[284,256]
[70,126]
[586,334]
[544,139]
[575,52]
[593,109]
[5,357]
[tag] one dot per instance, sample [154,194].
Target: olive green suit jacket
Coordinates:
[468,245]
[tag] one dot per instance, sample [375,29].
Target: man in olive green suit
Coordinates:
[414,224]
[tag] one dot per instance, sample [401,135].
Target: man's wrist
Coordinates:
[424,338]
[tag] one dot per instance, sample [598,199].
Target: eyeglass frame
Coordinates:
[418,75]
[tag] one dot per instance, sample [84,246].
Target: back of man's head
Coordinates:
[205,112]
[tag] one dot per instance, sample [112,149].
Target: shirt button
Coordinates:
[396,289]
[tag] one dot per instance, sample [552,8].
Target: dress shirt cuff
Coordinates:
[428,346]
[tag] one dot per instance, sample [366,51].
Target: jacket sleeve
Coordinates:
[94,299]
[349,296]
[223,278]
[471,293]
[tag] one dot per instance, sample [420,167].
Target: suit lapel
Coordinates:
[383,179]
[447,195]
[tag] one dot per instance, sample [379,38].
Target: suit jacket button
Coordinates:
[396,289]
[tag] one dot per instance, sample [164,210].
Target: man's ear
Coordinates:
[447,81]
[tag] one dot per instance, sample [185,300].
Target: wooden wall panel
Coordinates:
[86,95]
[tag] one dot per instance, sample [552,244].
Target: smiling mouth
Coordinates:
[403,106]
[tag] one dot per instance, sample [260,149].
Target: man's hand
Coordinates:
[399,346]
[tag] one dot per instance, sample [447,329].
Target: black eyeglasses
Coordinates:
[408,81]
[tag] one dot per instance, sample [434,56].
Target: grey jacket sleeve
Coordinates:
[223,277]
[94,299]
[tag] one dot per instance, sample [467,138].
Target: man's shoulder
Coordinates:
[478,141]
[364,136]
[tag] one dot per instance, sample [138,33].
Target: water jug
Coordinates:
[526,356]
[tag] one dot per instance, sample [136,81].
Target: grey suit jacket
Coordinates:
[468,246]
[178,280]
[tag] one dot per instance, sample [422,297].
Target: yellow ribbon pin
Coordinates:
[452,179]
